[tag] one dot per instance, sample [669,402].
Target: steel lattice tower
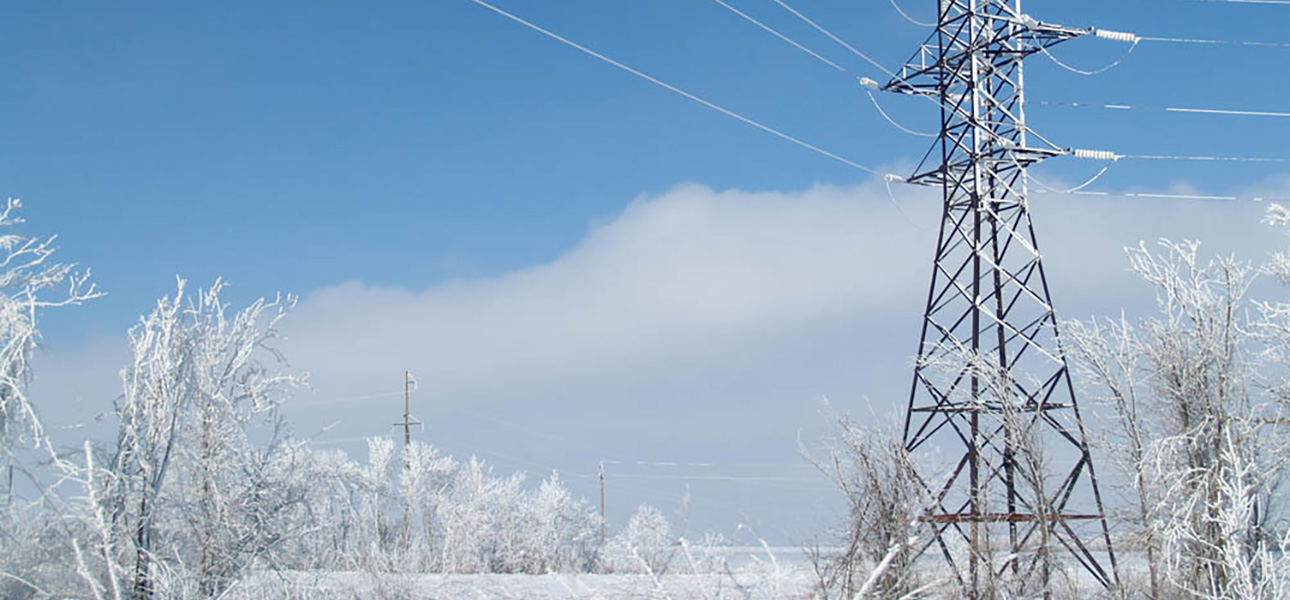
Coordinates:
[992,391]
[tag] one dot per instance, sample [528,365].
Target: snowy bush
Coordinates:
[425,512]
[871,467]
[185,501]
[645,546]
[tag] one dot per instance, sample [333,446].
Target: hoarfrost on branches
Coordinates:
[29,283]
[1199,393]
[189,487]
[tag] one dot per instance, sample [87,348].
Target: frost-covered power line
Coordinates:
[1089,73]
[1113,156]
[790,41]
[712,477]
[835,38]
[351,399]
[1164,196]
[1202,158]
[1269,2]
[1210,42]
[869,84]
[893,122]
[1134,38]
[905,15]
[672,88]
[1170,109]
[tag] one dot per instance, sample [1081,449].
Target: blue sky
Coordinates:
[387,162]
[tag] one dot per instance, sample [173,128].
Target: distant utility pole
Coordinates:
[407,415]
[602,502]
[407,458]
[407,423]
[992,390]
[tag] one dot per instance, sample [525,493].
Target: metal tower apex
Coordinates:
[974,54]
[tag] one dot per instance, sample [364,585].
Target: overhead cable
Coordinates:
[751,478]
[672,88]
[835,38]
[781,36]
[1133,38]
[889,179]
[349,399]
[1171,109]
[1072,190]
[1253,159]
[865,82]
[657,463]
[904,14]
[1272,2]
[893,122]
[1161,196]
[1177,40]
[1112,156]
[1084,72]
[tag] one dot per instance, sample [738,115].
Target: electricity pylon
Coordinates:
[992,391]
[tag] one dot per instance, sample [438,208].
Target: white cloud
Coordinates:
[677,278]
[696,325]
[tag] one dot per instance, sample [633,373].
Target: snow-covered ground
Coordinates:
[750,576]
[788,582]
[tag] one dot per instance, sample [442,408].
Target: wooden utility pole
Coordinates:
[407,458]
[407,414]
[602,503]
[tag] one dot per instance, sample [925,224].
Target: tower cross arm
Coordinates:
[930,71]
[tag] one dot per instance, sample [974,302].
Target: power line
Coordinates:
[1163,196]
[348,399]
[1121,36]
[893,122]
[749,478]
[781,36]
[1112,156]
[658,463]
[1089,73]
[1171,109]
[1178,40]
[342,440]
[1253,159]
[1030,177]
[672,88]
[904,14]
[835,38]
[879,66]
[869,84]
[1269,2]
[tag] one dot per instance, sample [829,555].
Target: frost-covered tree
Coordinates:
[1199,390]
[645,545]
[561,532]
[871,467]
[464,517]
[333,488]
[427,477]
[30,282]
[191,484]
[481,521]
